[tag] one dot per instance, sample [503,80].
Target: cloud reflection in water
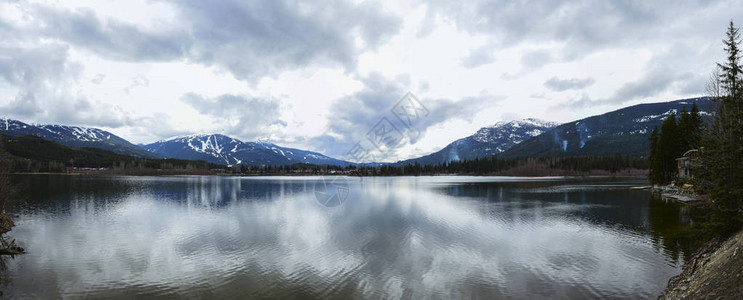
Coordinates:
[393,238]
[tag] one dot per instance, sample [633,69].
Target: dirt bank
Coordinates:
[715,272]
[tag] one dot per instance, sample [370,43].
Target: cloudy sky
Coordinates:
[319,75]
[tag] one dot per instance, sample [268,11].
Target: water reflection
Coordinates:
[393,238]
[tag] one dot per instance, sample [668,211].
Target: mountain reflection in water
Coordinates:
[395,237]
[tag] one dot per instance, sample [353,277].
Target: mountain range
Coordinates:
[487,141]
[620,132]
[222,149]
[76,137]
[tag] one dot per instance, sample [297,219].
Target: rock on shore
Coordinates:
[715,272]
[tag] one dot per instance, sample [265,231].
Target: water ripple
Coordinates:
[207,237]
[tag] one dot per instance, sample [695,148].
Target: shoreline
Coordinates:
[348,175]
[715,271]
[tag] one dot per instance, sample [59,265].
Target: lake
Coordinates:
[337,237]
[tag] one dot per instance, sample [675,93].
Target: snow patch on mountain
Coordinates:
[511,130]
[487,141]
[84,134]
[662,116]
[221,149]
[74,136]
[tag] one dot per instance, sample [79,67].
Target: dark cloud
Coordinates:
[667,70]
[652,83]
[239,115]
[353,116]
[109,38]
[251,39]
[155,127]
[28,68]
[66,110]
[443,110]
[583,23]
[41,75]
[559,85]
[82,111]
[580,28]
[22,107]
[255,39]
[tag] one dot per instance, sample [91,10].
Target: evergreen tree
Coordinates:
[696,128]
[669,148]
[690,128]
[722,170]
[731,70]
[655,173]
[685,130]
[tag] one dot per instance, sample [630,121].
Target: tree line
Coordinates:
[33,154]
[721,171]
[532,166]
[493,165]
[675,137]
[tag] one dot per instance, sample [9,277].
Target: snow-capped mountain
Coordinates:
[222,149]
[620,132]
[303,156]
[74,136]
[487,141]
[504,135]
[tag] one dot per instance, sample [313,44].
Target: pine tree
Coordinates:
[722,169]
[690,128]
[696,128]
[669,148]
[655,173]
[685,129]
[731,70]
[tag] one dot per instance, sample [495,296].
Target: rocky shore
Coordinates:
[715,272]
[8,248]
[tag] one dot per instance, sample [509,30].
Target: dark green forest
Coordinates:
[719,171]
[34,154]
[541,166]
[676,136]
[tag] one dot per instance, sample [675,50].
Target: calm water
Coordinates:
[425,237]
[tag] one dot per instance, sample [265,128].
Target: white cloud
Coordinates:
[317,74]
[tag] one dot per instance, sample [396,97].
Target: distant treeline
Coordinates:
[543,166]
[34,154]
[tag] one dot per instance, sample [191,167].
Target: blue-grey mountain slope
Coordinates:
[620,132]
[486,142]
[74,136]
[222,149]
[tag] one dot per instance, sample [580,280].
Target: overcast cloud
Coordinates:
[559,85]
[318,74]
